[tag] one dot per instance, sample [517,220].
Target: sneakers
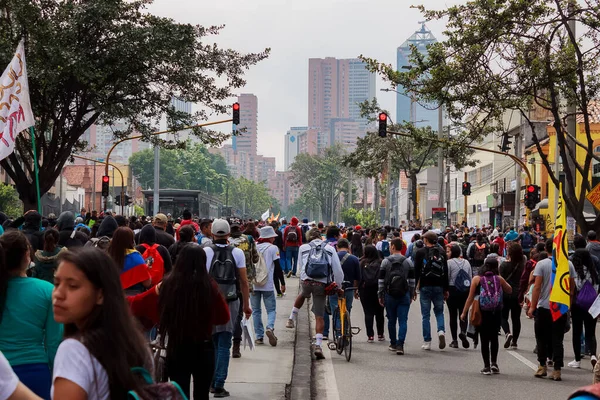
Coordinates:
[272,337]
[593,360]
[290,323]
[541,372]
[392,347]
[442,337]
[453,344]
[463,339]
[259,341]
[426,346]
[370,339]
[319,353]
[556,375]
[381,338]
[514,346]
[495,369]
[220,393]
[508,341]
[486,371]
[279,294]
[235,352]
[400,350]
[574,364]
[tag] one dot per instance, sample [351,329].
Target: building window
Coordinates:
[486,174]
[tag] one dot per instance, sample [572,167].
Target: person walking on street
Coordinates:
[459,281]
[270,254]
[431,271]
[489,286]
[227,265]
[319,267]
[512,270]
[292,240]
[368,288]
[478,252]
[46,260]
[396,292]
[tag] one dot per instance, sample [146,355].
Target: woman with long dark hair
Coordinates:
[583,273]
[356,246]
[457,296]
[135,277]
[511,270]
[29,336]
[46,260]
[367,290]
[190,304]
[101,343]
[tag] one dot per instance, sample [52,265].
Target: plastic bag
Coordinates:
[247,334]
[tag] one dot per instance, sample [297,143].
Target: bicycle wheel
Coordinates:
[347,336]
[337,332]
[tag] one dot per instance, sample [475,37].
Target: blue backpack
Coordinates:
[317,265]
[462,282]
[527,241]
[385,248]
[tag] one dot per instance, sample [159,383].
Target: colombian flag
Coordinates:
[135,269]
[560,298]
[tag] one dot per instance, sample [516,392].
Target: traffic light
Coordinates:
[236,113]
[532,196]
[105,182]
[466,188]
[505,147]
[128,200]
[382,124]
[118,200]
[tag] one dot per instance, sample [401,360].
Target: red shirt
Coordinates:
[187,222]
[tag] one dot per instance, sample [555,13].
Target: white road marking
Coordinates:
[326,366]
[523,360]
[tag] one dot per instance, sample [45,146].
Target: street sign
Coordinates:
[594,197]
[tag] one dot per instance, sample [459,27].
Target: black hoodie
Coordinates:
[148,237]
[107,227]
[68,237]
[31,229]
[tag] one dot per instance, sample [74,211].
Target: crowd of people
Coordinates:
[76,290]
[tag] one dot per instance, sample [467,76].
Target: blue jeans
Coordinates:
[333,304]
[292,258]
[37,377]
[222,343]
[397,310]
[284,262]
[435,295]
[270,304]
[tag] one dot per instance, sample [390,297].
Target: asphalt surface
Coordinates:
[374,372]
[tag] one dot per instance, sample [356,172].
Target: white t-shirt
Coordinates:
[270,253]
[75,363]
[8,379]
[238,256]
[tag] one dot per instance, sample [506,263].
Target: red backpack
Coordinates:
[154,261]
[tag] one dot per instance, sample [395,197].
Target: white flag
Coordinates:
[15,108]
[265,215]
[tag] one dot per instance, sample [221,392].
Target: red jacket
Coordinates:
[187,222]
[286,242]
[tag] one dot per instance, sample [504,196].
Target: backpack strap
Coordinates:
[343,260]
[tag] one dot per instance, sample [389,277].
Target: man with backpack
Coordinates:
[396,292]
[431,274]
[527,241]
[227,265]
[383,245]
[292,240]
[320,274]
[477,253]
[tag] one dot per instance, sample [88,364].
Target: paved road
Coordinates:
[374,372]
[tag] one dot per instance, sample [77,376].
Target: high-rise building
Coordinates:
[247,140]
[335,89]
[424,114]
[291,145]
[345,131]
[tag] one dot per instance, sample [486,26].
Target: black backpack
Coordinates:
[433,266]
[224,271]
[370,275]
[396,282]
[292,235]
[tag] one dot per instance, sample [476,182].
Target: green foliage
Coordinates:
[9,201]
[250,199]
[364,218]
[105,61]
[349,216]
[192,167]
[139,211]
[305,206]
[322,177]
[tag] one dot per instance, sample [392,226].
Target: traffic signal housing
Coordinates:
[118,200]
[505,147]
[105,185]
[466,188]
[532,196]
[382,124]
[128,200]
[236,113]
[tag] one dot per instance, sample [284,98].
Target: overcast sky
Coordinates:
[297,30]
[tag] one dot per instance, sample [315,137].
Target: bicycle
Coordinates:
[343,329]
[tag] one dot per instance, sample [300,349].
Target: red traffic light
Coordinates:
[531,188]
[105,179]
[236,106]
[382,116]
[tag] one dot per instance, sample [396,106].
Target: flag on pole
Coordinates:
[15,107]
[560,298]
[265,215]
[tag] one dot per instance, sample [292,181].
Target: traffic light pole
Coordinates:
[115,167]
[466,199]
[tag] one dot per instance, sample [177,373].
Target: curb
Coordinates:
[301,386]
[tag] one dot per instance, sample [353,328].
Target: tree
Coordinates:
[323,177]
[9,201]
[517,55]
[409,154]
[250,199]
[103,61]
[304,207]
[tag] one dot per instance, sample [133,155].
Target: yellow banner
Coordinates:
[560,297]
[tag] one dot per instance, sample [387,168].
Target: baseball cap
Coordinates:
[160,217]
[220,227]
